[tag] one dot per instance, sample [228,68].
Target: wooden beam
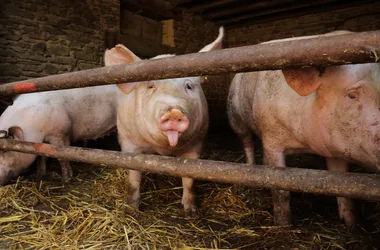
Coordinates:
[293,14]
[168,33]
[204,5]
[352,48]
[287,8]
[353,185]
[242,8]
[155,9]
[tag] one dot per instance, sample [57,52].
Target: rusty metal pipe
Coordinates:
[352,48]
[354,185]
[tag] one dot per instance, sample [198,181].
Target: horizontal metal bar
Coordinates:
[354,185]
[352,48]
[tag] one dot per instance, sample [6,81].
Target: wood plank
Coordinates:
[242,8]
[168,33]
[288,8]
[294,13]
[154,9]
[205,5]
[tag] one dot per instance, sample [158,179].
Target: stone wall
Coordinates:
[193,33]
[44,37]
[140,27]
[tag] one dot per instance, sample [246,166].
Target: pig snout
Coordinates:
[173,123]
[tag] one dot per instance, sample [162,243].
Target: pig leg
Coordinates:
[248,148]
[67,172]
[5,176]
[134,177]
[41,167]
[134,182]
[246,138]
[345,205]
[188,197]
[281,198]
[244,133]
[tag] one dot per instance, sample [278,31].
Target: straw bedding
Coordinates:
[90,212]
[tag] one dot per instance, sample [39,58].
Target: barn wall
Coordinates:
[44,37]
[140,27]
[193,33]
[360,18]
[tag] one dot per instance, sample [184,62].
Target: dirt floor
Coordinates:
[90,212]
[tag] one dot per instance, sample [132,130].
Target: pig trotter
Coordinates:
[191,212]
[133,199]
[41,167]
[281,208]
[345,205]
[5,176]
[67,172]
[188,197]
[281,198]
[134,181]
[346,211]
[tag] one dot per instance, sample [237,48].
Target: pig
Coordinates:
[167,117]
[57,117]
[332,112]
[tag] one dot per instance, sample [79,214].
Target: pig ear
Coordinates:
[121,55]
[217,44]
[127,87]
[303,81]
[16,132]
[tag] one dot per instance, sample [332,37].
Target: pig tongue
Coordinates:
[173,137]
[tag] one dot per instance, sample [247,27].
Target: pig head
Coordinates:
[333,112]
[168,117]
[345,115]
[12,163]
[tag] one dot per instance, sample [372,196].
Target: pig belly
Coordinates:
[93,127]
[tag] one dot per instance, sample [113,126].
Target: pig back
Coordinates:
[84,113]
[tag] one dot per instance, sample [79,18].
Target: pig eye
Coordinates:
[352,95]
[151,86]
[189,87]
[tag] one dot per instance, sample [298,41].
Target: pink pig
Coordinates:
[57,117]
[332,112]
[168,117]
